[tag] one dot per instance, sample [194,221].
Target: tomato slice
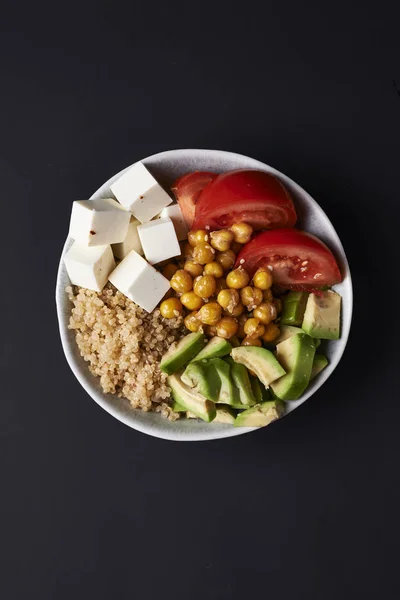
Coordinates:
[299,260]
[187,190]
[256,197]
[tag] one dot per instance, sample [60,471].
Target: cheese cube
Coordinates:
[174,213]
[89,267]
[131,241]
[139,281]
[98,222]
[159,241]
[139,192]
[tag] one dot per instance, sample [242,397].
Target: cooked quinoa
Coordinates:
[123,345]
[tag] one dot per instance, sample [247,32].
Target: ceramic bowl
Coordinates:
[166,167]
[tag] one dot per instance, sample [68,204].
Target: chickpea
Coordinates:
[181,281]
[193,268]
[272,331]
[203,253]
[251,297]
[210,331]
[250,341]
[221,240]
[227,327]
[210,313]
[171,308]
[235,312]
[242,232]
[277,302]
[263,279]
[169,270]
[267,295]
[192,322]
[201,236]
[228,299]
[186,250]
[226,259]
[265,312]
[214,269]
[253,328]
[204,286]
[241,332]
[238,278]
[191,301]
[236,247]
[221,285]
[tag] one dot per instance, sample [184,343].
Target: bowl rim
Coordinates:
[230,431]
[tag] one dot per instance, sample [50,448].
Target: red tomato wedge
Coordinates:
[299,260]
[256,197]
[187,190]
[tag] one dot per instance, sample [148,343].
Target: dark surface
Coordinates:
[307,509]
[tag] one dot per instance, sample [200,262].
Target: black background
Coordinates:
[307,509]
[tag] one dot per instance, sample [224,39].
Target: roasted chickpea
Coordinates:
[204,286]
[265,312]
[181,281]
[228,299]
[210,313]
[191,301]
[227,327]
[253,328]
[171,308]
[263,279]
[214,269]
[193,268]
[186,250]
[238,278]
[242,232]
[277,302]
[221,285]
[267,295]
[235,312]
[251,297]
[192,322]
[226,259]
[221,240]
[210,331]
[203,253]
[200,236]
[272,331]
[251,341]
[169,270]
[241,321]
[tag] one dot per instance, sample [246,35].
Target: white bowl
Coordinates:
[166,167]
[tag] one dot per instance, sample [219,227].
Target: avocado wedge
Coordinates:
[215,348]
[260,392]
[296,354]
[191,400]
[241,381]
[294,305]
[259,360]
[202,377]
[322,316]
[320,362]
[260,415]
[178,355]
[225,415]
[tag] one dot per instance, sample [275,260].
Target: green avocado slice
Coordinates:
[191,400]
[241,381]
[202,377]
[178,355]
[322,316]
[259,360]
[260,415]
[225,414]
[215,348]
[320,362]
[294,305]
[296,354]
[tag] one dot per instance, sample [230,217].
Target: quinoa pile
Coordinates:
[123,345]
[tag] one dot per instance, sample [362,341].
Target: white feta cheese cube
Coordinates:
[174,213]
[98,222]
[131,241]
[139,281]
[139,192]
[159,241]
[89,267]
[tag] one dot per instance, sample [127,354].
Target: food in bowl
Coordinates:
[219,322]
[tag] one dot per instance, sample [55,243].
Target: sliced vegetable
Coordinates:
[294,305]
[260,415]
[178,355]
[191,400]
[259,360]
[225,414]
[254,197]
[298,260]
[187,190]
[319,364]
[296,355]
[322,316]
